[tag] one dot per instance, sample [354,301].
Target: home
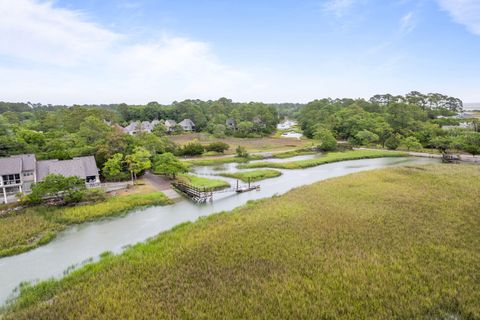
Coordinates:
[187,125]
[18,173]
[231,124]
[287,124]
[170,125]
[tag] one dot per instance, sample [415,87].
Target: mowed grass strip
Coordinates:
[202,182]
[400,243]
[32,227]
[252,176]
[328,158]
[220,161]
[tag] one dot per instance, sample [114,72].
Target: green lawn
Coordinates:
[328,158]
[218,161]
[294,153]
[399,243]
[35,226]
[253,176]
[201,182]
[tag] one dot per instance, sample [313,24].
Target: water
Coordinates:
[89,240]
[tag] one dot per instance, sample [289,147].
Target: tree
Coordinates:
[138,161]
[365,137]
[69,189]
[160,130]
[217,147]
[326,139]
[168,164]
[393,142]
[471,143]
[412,143]
[113,168]
[442,143]
[241,152]
[219,131]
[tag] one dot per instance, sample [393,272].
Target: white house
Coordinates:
[187,125]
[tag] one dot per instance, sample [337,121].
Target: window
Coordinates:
[11,179]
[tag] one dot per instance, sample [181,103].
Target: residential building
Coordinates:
[170,125]
[187,125]
[231,124]
[18,173]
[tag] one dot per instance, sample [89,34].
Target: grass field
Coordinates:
[265,144]
[201,182]
[328,158]
[399,243]
[219,161]
[35,226]
[252,176]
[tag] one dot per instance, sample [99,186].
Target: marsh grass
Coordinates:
[327,158]
[35,226]
[218,161]
[252,176]
[401,243]
[202,182]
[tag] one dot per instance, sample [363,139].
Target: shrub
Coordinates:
[217,147]
[327,140]
[412,143]
[392,143]
[193,148]
[241,152]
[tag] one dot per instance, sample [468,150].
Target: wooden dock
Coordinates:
[202,195]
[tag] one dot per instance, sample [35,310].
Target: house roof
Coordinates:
[17,164]
[187,123]
[80,167]
[170,123]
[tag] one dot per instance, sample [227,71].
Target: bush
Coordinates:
[95,195]
[217,147]
[241,152]
[327,140]
[392,143]
[412,143]
[193,148]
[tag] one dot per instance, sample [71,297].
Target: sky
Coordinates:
[137,51]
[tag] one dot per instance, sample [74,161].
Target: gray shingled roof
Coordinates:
[187,123]
[17,164]
[10,165]
[80,167]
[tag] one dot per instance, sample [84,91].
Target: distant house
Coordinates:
[287,124]
[231,124]
[132,129]
[187,125]
[18,173]
[137,127]
[170,125]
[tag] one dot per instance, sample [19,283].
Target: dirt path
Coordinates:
[161,184]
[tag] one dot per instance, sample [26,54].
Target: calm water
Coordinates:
[89,240]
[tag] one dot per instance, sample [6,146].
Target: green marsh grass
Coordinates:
[327,158]
[201,182]
[252,176]
[399,243]
[35,226]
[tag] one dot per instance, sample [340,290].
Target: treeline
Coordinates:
[389,121]
[249,119]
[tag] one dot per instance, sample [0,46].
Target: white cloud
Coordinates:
[338,7]
[465,12]
[407,23]
[59,56]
